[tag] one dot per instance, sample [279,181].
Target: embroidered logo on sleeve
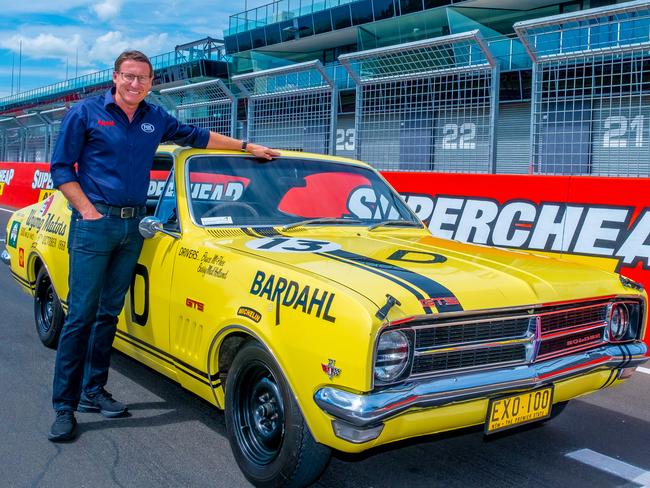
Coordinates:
[147,127]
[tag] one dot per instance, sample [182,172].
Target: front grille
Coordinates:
[472,332]
[471,358]
[568,319]
[463,342]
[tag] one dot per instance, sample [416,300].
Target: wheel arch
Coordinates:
[222,351]
[34,266]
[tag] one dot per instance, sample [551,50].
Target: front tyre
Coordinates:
[48,313]
[268,434]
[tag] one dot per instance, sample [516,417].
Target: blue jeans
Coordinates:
[103,254]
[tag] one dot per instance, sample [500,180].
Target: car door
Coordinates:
[145,329]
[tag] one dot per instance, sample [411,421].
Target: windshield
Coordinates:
[241,191]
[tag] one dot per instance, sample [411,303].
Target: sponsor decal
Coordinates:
[13,234]
[105,123]
[45,206]
[291,245]
[6,175]
[582,229]
[147,127]
[216,220]
[21,257]
[51,224]
[439,302]
[330,369]
[42,180]
[250,313]
[2,188]
[196,305]
[231,191]
[291,294]
[45,194]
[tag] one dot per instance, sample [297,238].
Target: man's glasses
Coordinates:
[130,78]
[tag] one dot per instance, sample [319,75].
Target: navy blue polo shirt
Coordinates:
[114,156]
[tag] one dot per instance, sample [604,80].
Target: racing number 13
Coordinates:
[295,245]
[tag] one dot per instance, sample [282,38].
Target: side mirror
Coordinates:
[150,226]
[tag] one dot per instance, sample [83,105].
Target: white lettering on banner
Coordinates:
[200,191]
[42,180]
[443,217]
[363,203]
[550,231]
[6,175]
[591,230]
[509,235]
[475,220]
[601,226]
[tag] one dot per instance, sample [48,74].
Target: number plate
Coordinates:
[523,408]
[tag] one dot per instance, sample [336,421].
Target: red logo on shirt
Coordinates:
[108,123]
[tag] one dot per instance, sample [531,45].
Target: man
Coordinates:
[112,138]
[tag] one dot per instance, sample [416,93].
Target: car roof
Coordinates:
[187,151]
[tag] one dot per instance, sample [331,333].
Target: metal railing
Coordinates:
[591,91]
[426,105]
[291,107]
[277,12]
[208,104]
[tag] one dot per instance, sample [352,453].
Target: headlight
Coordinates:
[392,356]
[619,321]
[624,320]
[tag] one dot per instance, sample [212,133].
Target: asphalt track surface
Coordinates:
[174,439]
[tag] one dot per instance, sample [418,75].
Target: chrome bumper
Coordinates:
[4,257]
[367,410]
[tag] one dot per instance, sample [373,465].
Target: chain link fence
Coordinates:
[210,104]
[426,105]
[291,107]
[12,139]
[591,91]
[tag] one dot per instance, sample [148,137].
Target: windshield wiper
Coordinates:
[396,223]
[322,220]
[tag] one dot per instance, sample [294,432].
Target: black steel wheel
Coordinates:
[48,313]
[268,434]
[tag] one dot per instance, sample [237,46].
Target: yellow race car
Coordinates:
[304,298]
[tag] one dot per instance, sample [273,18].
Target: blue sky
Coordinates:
[57,33]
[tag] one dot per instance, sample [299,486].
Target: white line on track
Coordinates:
[643,370]
[613,466]
[7,210]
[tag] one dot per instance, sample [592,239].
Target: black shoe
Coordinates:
[103,402]
[64,427]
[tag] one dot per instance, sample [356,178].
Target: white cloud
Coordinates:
[43,46]
[72,49]
[108,46]
[108,9]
